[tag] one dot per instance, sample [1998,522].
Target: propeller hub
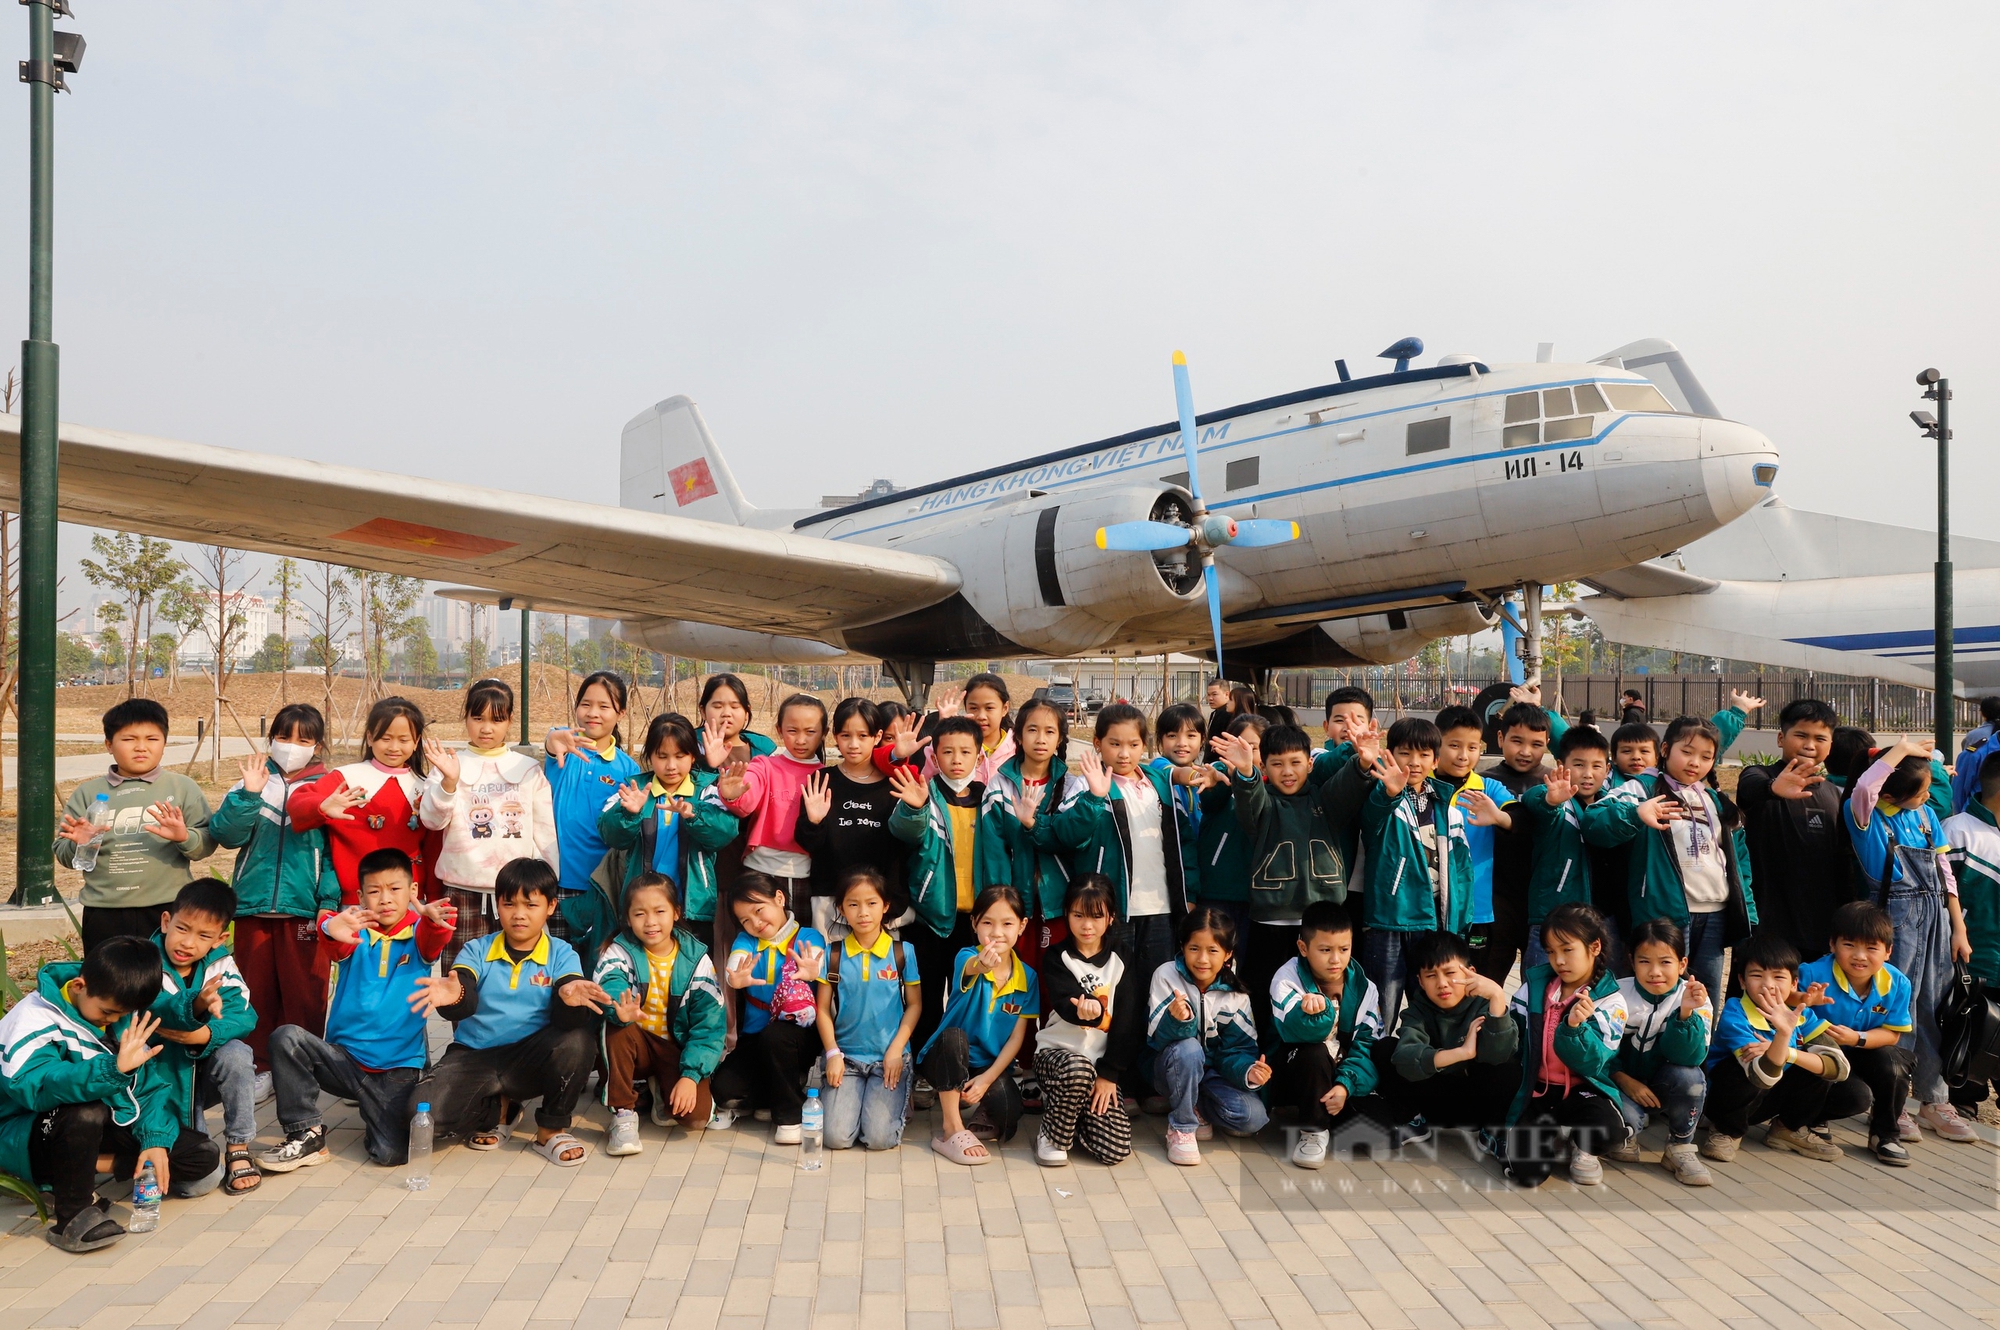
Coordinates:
[1214,529]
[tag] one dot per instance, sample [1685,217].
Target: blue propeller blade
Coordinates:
[1184,399]
[1214,609]
[1261,531]
[1142,536]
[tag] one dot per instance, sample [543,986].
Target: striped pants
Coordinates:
[1067,1081]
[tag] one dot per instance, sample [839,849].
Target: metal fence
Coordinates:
[1892,708]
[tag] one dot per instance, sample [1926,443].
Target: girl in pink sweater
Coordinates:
[766,792]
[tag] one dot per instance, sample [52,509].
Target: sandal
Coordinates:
[958,1148]
[241,1167]
[553,1149]
[492,1138]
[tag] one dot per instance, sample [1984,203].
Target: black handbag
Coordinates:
[1969,1021]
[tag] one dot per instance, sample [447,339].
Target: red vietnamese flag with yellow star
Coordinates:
[691,481]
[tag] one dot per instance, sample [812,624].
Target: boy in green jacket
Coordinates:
[76,1095]
[1419,861]
[157,826]
[1327,1022]
[1295,833]
[1455,1061]
[1551,816]
[205,1017]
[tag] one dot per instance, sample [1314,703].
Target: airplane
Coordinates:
[1416,500]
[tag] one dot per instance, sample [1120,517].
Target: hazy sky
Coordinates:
[470,240]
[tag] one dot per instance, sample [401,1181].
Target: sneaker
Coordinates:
[1047,1155]
[1907,1128]
[1181,1148]
[1685,1164]
[1945,1121]
[1889,1152]
[662,1117]
[1310,1149]
[1824,1131]
[720,1118]
[787,1133]
[300,1150]
[1414,1132]
[263,1088]
[1720,1148]
[923,1094]
[1203,1129]
[1803,1143]
[1584,1170]
[1625,1152]
[623,1139]
[1031,1094]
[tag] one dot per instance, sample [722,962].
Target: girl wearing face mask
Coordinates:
[283,878]
[494,805]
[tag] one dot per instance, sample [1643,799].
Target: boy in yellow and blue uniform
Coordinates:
[1867,1012]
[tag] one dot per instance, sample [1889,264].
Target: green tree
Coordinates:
[160,649]
[328,606]
[73,656]
[140,569]
[419,654]
[273,656]
[475,659]
[386,601]
[289,582]
[585,658]
[552,648]
[111,648]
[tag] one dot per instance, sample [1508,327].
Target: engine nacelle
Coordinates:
[1033,571]
[1388,639]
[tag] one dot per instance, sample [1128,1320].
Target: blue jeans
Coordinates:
[1923,952]
[228,1077]
[1705,947]
[1181,1073]
[863,1108]
[1382,960]
[1681,1091]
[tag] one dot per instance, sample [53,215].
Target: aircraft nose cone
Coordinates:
[1739,467]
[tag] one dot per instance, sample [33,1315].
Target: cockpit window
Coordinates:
[1523,406]
[1637,397]
[1588,399]
[1555,402]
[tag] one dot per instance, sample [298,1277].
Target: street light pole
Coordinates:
[1938,389]
[35,788]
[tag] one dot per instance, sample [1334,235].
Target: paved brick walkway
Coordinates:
[723,1230]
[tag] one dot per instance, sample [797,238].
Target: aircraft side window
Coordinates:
[1516,436]
[1637,397]
[1523,406]
[1588,399]
[1240,474]
[1427,436]
[1555,402]
[1576,427]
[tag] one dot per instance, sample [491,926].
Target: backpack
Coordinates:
[1969,1020]
[834,951]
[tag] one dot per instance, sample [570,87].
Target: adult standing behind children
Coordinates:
[157,826]
[1799,854]
[283,878]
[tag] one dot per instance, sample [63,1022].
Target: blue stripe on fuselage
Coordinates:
[1884,643]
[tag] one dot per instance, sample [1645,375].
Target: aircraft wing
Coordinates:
[615,562]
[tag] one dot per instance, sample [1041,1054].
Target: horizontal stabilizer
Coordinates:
[1649,579]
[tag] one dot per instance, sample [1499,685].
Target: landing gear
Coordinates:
[1531,634]
[914,677]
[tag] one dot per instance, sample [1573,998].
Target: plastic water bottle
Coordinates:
[100,817]
[812,1131]
[145,1200]
[419,1176]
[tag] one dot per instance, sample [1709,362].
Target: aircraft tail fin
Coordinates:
[1662,362]
[668,463]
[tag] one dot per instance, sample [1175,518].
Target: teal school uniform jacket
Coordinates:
[1295,840]
[1034,867]
[1221,1020]
[699,837]
[695,1018]
[175,1064]
[51,1056]
[1400,896]
[1587,1049]
[1654,885]
[1657,1035]
[1559,863]
[1222,848]
[1349,1025]
[932,877]
[1098,839]
[279,869]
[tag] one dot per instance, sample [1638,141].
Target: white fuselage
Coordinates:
[1453,481]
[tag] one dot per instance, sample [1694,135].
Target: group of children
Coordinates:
[1208,918]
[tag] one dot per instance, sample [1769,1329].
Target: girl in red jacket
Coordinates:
[375,803]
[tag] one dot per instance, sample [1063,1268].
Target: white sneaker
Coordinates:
[1310,1149]
[662,1117]
[1203,1129]
[1181,1148]
[1945,1121]
[1684,1162]
[1046,1153]
[263,1089]
[1584,1170]
[623,1138]
[787,1133]
[720,1118]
